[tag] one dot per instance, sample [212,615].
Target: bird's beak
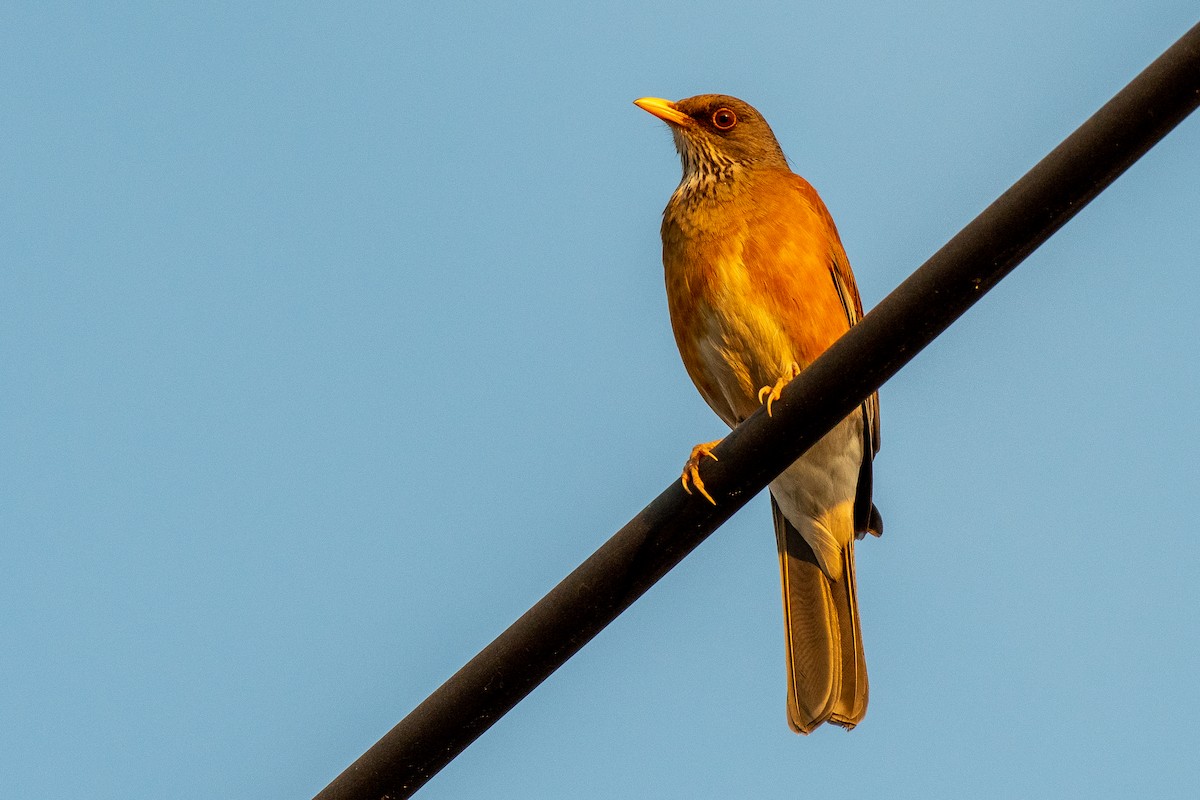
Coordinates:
[664,110]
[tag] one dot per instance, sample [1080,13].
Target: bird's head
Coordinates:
[716,134]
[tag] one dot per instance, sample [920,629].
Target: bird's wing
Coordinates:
[866,516]
[843,282]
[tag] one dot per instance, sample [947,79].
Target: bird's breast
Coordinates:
[730,341]
[749,292]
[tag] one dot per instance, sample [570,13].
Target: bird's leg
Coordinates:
[691,470]
[770,394]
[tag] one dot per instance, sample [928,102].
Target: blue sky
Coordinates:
[332,336]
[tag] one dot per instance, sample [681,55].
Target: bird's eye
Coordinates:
[723,119]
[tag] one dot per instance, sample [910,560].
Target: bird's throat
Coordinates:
[705,170]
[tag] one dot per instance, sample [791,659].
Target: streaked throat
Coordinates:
[704,167]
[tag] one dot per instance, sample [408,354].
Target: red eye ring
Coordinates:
[723,119]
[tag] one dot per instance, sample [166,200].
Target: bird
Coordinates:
[758,286]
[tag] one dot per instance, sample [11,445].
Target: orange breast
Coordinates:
[750,285]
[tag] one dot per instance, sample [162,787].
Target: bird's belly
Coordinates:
[738,356]
[825,479]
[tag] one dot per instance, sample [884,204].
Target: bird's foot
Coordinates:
[769,394]
[691,470]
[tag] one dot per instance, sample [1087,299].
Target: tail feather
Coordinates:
[827,676]
[852,703]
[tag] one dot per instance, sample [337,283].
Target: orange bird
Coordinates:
[758,286]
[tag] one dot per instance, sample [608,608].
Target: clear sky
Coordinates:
[333,335]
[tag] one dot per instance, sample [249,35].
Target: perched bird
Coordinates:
[758,286]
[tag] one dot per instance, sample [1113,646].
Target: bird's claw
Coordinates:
[691,470]
[769,394]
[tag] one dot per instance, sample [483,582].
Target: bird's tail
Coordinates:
[827,674]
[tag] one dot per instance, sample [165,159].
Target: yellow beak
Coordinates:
[664,110]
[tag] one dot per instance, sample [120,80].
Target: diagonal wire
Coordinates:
[907,320]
